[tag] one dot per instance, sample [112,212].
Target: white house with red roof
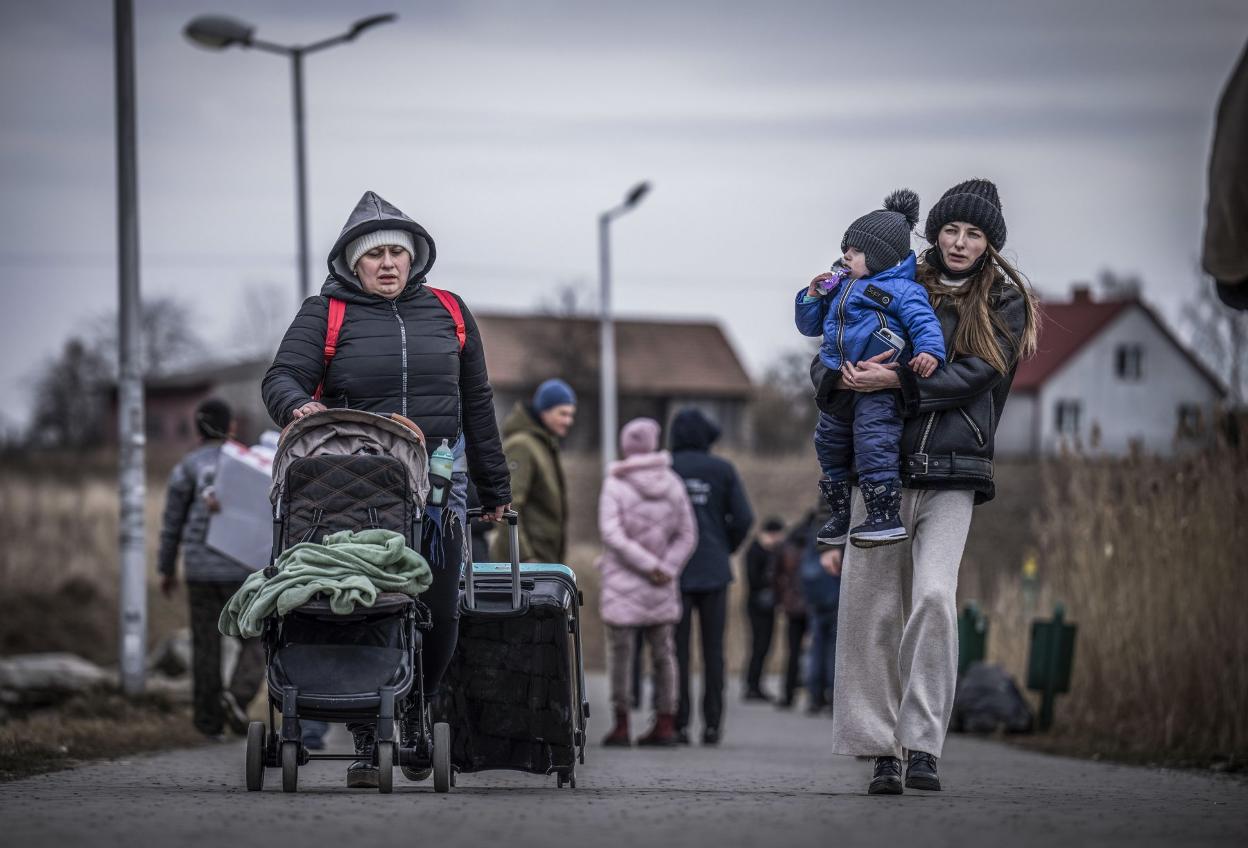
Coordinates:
[1108,376]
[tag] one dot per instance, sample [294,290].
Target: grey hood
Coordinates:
[374,213]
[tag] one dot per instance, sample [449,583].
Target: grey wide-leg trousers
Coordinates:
[897,638]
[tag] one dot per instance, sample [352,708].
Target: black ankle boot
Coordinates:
[414,725]
[921,772]
[883,525]
[362,774]
[836,495]
[887,777]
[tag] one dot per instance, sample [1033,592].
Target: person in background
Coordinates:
[724,518]
[790,599]
[211,579]
[1225,255]
[648,533]
[539,493]
[760,602]
[821,584]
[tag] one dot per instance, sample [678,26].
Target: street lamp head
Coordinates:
[375,20]
[216,32]
[634,197]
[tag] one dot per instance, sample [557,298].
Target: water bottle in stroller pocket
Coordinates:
[441,467]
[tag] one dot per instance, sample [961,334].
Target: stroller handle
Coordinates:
[513,537]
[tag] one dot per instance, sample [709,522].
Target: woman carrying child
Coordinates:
[897,646]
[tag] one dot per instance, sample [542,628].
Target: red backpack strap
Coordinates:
[337,311]
[452,306]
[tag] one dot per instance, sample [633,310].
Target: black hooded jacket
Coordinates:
[719,502]
[398,355]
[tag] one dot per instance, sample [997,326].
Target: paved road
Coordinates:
[770,783]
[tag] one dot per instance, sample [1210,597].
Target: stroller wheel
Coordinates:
[290,766]
[385,767]
[441,757]
[255,756]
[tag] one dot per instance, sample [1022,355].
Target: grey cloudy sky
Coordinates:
[506,127]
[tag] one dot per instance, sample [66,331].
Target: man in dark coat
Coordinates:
[760,603]
[724,518]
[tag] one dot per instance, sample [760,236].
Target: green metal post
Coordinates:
[1053,670]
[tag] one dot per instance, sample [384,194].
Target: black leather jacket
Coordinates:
[951,417]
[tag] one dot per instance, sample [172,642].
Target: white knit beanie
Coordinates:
[398,238]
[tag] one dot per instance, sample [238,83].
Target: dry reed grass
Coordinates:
[59,565]
[1148,557]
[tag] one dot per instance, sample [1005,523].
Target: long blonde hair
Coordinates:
[978,321]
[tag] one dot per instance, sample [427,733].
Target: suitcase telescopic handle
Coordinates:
[513,539]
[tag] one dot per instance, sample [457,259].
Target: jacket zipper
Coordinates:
[403,358]
[979,436]
[927,431]
[840,326]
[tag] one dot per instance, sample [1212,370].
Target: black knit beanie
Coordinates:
[884,235]
[975,202]
[212,419]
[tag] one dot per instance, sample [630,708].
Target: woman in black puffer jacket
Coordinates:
[897,639]
[398,350]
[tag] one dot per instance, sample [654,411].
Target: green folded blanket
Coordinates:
[350,567]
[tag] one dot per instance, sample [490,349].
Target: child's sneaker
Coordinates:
[883,525]
[836,493]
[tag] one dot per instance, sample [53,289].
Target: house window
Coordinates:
[1129,362]
[1067,419]
[1190,420]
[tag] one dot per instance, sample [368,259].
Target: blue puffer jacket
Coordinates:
[848,315]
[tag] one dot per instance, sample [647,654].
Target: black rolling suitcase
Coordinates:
[514,694]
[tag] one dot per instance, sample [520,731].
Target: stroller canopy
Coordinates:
[353,431]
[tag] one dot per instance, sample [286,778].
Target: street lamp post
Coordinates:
[607,371]
[130,428]
[216,32]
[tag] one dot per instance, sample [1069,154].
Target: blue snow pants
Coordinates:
[871,440]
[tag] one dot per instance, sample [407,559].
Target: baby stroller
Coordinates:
[348,470]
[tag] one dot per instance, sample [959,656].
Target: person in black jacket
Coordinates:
[896,661]
[760,602]
[724,518]
[398,351]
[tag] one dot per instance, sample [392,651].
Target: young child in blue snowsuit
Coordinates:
[876,289]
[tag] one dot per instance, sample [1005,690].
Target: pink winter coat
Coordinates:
[646,521]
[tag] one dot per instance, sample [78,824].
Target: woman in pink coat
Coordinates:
[648,532]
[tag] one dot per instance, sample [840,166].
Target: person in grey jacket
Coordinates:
[211,579]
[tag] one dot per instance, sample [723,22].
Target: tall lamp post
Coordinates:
[130,428]
[217,32]
[607,386]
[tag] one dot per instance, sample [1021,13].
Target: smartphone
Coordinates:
[885,340]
